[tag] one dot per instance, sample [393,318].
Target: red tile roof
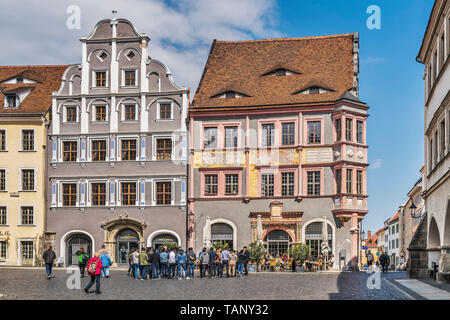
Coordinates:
[39,100]
[240,66]
[395,217]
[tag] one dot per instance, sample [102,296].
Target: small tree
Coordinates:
[221,244]
[170,246]
[257,252]
[299,252]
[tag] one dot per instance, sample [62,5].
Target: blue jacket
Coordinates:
[164,257]
[106,260]
[181,258]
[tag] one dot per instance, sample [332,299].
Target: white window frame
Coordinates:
[119,146]
[7,215]
[158,110]
[93,82]
[172,193]
[61,148]
[6,251]
[122,112]
[94,112]
[20,215]
[119,192]
[65,114]
[20,178]
[136,76]
[172,138]
[6,105]
[89,193]
[21,139]
[19,249]
[60,198]
[6,139]
[89,151]
[6,179]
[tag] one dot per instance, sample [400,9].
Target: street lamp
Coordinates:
[414,212]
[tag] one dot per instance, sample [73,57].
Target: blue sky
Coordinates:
[182,31]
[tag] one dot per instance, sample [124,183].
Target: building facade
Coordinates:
[380,240]
[117,149]
[434,54]
[393,240]
[25,101]
[278,149]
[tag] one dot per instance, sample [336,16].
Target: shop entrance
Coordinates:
[74,244]
[222,232]
[278,242]
[126,240]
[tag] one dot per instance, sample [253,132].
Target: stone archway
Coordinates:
[114,227]
[434,236]
[446,241]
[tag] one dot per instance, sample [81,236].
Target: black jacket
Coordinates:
[154,258]
[240,258]
[212,256]
[246,257]
[49,256]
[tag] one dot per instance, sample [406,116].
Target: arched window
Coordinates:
[74,243]
[163,239]
[278,242]
[314,238]
[222,232]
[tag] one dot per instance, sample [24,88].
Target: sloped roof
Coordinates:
[325,61]
[39,100]
[395,217]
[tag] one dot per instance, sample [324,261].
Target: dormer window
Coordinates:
[19,80]
[313,90]
[280,72]
[230,95]
[11,100]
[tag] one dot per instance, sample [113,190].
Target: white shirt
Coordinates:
[172,257]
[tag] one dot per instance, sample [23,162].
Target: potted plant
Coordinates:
[257,252]
[221,245]
[170,246]
[299,252]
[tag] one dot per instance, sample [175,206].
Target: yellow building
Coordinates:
[25,102]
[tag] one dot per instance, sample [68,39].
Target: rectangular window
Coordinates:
[314,132]
[435,66]
[69,194]
[210,137]
[430,156]
[349,180]
[27,140]
[71,114]
[435,148]
[128,193]
[359,131]
[69,151]
[338,129]
[3,216]
[27,215]
[163,149]
[441,51]
[231,137]
[288,134]
[396,243]
[2,140]
[338,181]
[211,184]
[287,183]
[28,180]
[98,194]
[100,113]
[130,78]
[396,228]
[429,79]
[2,179]
[98,150]
[267,185]
[348,129]
[163,193]
[165,111]
[313,180]
[268,134]
[130,112]
[359,180]
[3,250]
[100,79]
[231,184]
[128,150]
[442,140]
[11,100]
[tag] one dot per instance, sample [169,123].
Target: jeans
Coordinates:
[172,270]
[240,269]
[95,279]
[105,272]
[203,268]
[191,266]
[155,270]
[143,271]
[135,270]
[164,269]
[219,269]
[385,267]
[246,268]
[48,268]
[182,266]
[212,269]
[82,266]
[149,271]
[225,266]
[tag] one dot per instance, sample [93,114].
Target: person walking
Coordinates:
[370,259]
[130,263]
[384,258]
[155,261]
[212,263]
[49,257]
[164,260]
[246,260]
[191,262]
[226,260]
[106,263]
[240,264]
[172,263]
[233,260]
[204,262]
[143,264]
[135,257]
[94,270]
[181,265]
[83,259]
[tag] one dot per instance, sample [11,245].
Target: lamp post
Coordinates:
[414,212]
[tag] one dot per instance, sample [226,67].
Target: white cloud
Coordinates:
[376,164]
[182,31]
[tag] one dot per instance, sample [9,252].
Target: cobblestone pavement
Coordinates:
[16,283]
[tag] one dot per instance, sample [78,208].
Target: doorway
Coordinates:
[74,244]
[27,252]
[126,241]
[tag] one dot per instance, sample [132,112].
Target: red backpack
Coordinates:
[93,266]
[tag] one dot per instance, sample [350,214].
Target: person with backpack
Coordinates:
[143,264]
[49,257]
[191,262]
[204,262]
[164,260]
[172,263]
[83,259]
[240,264]
[94,270]
[155,261]
[181,265]
[106,263]
[370,259]
[212,263]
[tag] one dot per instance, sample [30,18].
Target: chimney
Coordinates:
[369,235]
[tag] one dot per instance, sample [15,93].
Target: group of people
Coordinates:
[383,261]
[175,263]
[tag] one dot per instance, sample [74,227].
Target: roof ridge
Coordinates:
[35,66]
[289,39]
